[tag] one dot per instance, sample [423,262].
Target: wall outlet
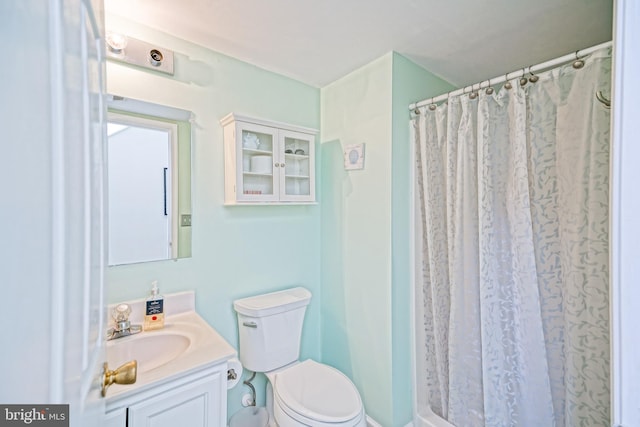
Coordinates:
[185,220]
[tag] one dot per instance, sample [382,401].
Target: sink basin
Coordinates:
[151,350]
[186,344]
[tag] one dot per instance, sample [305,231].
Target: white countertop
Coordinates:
[200,347]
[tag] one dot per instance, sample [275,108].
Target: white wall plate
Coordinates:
[354,156]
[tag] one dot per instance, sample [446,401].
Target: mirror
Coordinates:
[149,181]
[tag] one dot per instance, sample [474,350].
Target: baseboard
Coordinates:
[372,423]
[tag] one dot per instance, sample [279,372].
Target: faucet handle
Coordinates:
[121,325]
[120,316]
[121,312]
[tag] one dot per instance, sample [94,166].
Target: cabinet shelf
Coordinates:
[296,156]
[256,151]
[297,176]
[270,175]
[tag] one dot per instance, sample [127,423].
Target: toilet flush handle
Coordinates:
[250,324]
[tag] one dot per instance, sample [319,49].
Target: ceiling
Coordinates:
[317,42]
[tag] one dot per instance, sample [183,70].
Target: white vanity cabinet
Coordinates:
[182,370]
[195,400]
[267,162]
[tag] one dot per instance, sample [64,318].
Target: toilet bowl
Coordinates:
[313,394]
[306,393]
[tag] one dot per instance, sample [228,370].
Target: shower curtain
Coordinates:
[513,190]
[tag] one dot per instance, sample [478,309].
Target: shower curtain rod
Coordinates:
[518,73]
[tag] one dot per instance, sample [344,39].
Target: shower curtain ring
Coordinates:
[473,94]
[489,90]
[578,63]
[507,83]
[432,106]
[533,77]
[601,98]
[523,79]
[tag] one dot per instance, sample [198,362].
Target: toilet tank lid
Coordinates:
[273,303]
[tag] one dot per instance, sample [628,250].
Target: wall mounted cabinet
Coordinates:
[267,162]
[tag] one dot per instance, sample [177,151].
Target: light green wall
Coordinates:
[237,251]
[184,188]
[356,234]
[411,83]
[356,240]
[365,231]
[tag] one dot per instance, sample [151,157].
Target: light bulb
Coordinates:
[116,42]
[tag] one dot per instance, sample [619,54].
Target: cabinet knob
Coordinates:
[277,164]
[281,165]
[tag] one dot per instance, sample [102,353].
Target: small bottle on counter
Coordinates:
[154,309]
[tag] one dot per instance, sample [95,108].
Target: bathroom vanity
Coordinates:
[182,371]
[197,400]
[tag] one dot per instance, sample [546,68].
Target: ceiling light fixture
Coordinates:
[129,50]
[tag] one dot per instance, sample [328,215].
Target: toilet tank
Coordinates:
[270,328]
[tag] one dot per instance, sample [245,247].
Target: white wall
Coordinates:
[25,217]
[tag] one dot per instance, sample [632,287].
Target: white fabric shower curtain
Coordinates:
[513,192]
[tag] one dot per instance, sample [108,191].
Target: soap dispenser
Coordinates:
[154,311]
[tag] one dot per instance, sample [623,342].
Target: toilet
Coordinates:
[299,393]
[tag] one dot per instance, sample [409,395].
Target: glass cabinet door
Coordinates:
[256,162]
[267,162]
[296,180]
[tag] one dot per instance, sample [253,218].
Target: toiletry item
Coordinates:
[154,309]
[262,164]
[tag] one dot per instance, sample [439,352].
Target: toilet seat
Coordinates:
[311,391]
